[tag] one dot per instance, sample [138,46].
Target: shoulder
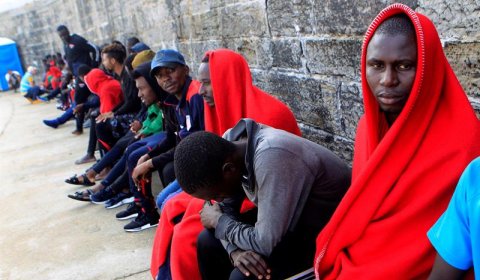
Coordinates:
[469,181]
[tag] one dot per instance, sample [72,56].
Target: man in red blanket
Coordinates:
[229,95]
[295,198]
[417,135]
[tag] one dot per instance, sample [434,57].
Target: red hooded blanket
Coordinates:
[403,176]
[107,88]
[235,97]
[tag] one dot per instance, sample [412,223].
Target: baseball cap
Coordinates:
[166,58]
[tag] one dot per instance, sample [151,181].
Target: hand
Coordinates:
[135,126]
[103,117]
[78,109]
[141,171]
[210,215]
[249,262]
[143,159]
[139,136]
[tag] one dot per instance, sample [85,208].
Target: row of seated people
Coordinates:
[247,197]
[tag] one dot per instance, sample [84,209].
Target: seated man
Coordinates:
[28,87]
[455,235]
[416,137]
[13,79]
[172,75]
[229,95]
[295,198]
[69,113]
[143,137]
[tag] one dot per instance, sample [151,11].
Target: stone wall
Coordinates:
[306,52]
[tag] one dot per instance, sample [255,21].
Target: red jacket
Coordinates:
[107,88]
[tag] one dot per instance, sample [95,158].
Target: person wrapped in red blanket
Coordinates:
[107,88]
[228,91]
[417,135]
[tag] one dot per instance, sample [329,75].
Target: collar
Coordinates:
[247,127]
[171,100]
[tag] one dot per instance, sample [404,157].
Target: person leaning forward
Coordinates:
[295,198]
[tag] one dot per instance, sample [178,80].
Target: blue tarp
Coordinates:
[9,59]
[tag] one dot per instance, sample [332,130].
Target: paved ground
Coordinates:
[44,234]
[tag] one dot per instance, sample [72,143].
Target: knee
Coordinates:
[206,240]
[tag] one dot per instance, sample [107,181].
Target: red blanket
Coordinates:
[107,88]
[235,98]
[403,176]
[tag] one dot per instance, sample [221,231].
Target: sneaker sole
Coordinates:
[144,227]
[120,203]
[134,215]
[97,202]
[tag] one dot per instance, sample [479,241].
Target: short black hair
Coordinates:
[199,159]
[61,28]
[83,69]
[115,51]
[399,24]
[132,41]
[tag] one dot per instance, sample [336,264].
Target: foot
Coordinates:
[86,159]
[131,212]
[143,221]
[77,132]
[81,195]
[102,196]
[51,123]
[43,99]
[118,200]
[100,176]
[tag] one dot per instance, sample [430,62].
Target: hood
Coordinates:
[95,78]
[236,97]
[144,71]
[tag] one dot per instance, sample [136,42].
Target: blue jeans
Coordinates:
[168,192]
[34,92]
[133,153]
[115,153]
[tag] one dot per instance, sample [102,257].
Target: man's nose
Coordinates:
[389,77]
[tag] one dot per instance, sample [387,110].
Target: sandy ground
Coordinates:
[44,234]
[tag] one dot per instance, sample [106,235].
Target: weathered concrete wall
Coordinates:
[306,52]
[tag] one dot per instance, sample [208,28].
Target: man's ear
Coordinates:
[228,168]
[187,70]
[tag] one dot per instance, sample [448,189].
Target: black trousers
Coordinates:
[105,134]
[294,254]
[92,137]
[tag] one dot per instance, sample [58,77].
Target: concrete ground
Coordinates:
[44,234]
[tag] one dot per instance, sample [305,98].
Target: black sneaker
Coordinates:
[118,200]
[143,221]
[102,196]
[131,212]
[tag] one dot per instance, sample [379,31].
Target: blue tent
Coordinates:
[9,60]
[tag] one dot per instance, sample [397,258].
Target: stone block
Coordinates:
[202,26]
[465,61]
[286,53]
[342,147]
[454,19]
[244,20]
[334,57]
[305,17]
[255,50]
